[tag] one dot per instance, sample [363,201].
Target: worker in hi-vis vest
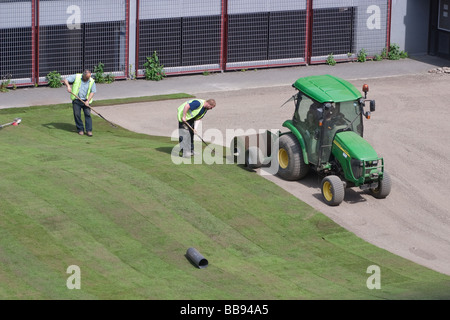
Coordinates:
[83,86]
[189,115]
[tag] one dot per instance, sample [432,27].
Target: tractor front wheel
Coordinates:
[291,165]
[333,190]
[384,187]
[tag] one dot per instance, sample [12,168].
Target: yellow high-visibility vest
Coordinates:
[76,86]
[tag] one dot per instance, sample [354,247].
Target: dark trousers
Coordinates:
[77,107]
[186,136]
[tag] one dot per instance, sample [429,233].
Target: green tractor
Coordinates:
[326,135]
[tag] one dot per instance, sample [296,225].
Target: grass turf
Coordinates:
[116,206]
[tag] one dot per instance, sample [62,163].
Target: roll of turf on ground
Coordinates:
[196,258]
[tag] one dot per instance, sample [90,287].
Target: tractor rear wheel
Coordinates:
[291,165]
[333,190]
[384,187]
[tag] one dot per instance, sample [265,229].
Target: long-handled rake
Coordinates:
[112,124]
[16,122]
[207,145]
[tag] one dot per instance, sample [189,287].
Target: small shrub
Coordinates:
[330,60]
[384,53]
[403,55]
[4,85]
[54,79]
[100,76]
[377,57]
[362,55]
[394,52]
[153,69]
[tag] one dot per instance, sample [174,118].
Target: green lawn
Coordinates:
[118,208]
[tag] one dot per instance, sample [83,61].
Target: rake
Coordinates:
[112,124]
[207,145]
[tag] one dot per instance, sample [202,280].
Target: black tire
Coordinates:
[291,165]
[384,187]
[333,190]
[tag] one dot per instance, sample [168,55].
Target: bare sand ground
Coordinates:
[410,129]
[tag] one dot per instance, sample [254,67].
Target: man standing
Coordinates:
[189,115]
[84,87]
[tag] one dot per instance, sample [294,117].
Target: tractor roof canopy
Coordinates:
[327,88]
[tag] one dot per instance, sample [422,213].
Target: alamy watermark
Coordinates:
[247,147]
[374,21]
[74,280]
[74,20]
[374,281]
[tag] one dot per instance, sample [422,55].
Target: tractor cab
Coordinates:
[324,106]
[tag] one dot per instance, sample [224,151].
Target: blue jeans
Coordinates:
[77,106]
[186,136]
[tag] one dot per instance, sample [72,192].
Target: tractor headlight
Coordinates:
[357,168]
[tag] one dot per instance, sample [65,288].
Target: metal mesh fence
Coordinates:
[186,34]
[16,41]
[81,34]
[343,28]
[264,33]
[41,36]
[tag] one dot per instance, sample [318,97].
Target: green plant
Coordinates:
[377,57]
[100,76]
[395,53]
[154,70]
[362,55]
[131,72]
[109,78]
[4,85]
[330,60]
[54,79]
[384,53]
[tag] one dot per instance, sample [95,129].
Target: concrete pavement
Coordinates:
[225,81]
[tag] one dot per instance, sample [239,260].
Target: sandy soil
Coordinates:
[409,129]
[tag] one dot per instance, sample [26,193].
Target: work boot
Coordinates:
[188,154]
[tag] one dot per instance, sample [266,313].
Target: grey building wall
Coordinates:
[410,25]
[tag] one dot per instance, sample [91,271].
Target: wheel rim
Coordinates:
[283,158]
[327,191]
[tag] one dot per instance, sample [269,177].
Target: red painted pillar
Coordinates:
[224,36]
[309,27]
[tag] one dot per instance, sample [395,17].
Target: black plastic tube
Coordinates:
[196,258]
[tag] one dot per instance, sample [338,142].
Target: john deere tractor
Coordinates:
[326,135]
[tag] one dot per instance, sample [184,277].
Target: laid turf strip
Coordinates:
[117,207]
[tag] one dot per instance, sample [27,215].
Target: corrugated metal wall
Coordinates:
[40,36]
